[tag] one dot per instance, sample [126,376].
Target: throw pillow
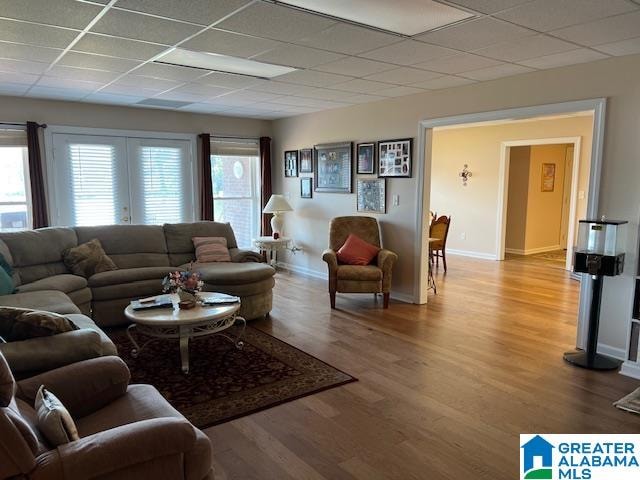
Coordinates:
[211,249]
[54,420]
[18,324]
[87,259]
[356,251]
[6,283]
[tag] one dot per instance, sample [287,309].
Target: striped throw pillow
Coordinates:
[211,249]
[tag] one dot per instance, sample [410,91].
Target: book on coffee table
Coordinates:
[161,301]
[220,299]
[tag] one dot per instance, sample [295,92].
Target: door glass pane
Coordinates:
[162,184]
[12,180]
[239,213]
[13,218]
[231,176]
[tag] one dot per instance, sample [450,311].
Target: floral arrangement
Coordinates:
[177,282]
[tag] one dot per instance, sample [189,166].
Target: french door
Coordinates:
[107,180]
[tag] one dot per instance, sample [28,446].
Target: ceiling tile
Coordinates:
[58,82]
[313,79]
[308,102]
[117,47]
[203,108]
[408,52]
[27,52]
[66,13]
[203,12]
[41,35]
[159,84]
[326,94]
[114,99]
[55,93]
[581,55]
[625,47]
[276,22]
[142,90]
[545,15]
[88,60]
[272,86]
[488,6]
[229,43]
[361,86]
[403,76]
[349,39]
[447,81]
[354,66]
[181,96]
[170,72]
[13,89]
[73,73]
[525,48]
[458,63]
[230,102]
[365,98]
[499,71]
[249,95]
[218,79]
[205,91]
[475,34]
[143,27]
[19,78]
[606,30]
[297,56]
[399,91]
[17,66]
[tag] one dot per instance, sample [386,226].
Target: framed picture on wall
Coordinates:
[371,195]
[394,158]
[291,163]
[548,177]
[306,160]
[366,157]
[306,187]
[333,164]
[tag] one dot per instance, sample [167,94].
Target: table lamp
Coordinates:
[277,204]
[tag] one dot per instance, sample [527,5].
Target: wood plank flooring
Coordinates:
[445,389]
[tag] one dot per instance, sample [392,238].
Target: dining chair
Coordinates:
[439,229]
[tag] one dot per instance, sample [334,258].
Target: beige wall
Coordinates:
[519,166]
[396,118]
[474,208]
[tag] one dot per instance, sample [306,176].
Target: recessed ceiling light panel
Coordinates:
[222,63]
[406,17]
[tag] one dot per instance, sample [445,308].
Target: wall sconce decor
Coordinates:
[465,174]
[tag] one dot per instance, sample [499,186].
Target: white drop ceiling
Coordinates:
[102,51]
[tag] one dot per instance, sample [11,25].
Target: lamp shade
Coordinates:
[277,203]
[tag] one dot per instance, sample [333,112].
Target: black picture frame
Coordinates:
[395,158]
[333,166]
[291,163]
[305,160]
[306,187]
[366,158]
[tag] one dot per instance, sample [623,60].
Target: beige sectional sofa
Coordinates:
[144,254]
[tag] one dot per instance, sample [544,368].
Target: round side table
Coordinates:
[271,246]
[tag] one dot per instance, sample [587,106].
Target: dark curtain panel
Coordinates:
[36,177]
[265,173]
[206,186]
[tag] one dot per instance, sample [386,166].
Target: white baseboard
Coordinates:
[307,272]
[630,369]
[618,353]
[468,253]
[532,251]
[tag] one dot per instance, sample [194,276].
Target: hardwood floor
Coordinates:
[445,389]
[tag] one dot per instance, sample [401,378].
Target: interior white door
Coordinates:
[90,180]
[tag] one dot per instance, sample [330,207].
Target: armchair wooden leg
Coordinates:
[385,303]
[332,296]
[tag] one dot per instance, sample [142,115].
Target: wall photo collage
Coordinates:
[331,166]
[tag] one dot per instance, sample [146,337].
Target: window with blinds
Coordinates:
[15,197]
[162,183]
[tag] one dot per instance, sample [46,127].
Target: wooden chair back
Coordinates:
[439,229]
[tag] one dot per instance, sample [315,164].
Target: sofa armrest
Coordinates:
[331,258]
[82,387]
[242,256]
[46,353]
[385,260]
[125,446]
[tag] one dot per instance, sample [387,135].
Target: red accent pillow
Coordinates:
[356,251]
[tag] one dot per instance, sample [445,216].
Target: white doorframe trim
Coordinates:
[423,172]
[503,195]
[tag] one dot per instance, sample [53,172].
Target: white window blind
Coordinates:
[93,181]
[162,182]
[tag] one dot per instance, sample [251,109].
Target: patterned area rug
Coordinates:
[226,383]
[630,403]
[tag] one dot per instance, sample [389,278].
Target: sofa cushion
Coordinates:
[88,259]
[63,283]
[179,238]
[21,324]
[128,275]
[359,272]
[49,300]
[129,246]
[211,249]
[227,273]
[137,289]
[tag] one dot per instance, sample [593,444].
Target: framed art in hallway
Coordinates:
[306,160]
[333,164]
[366,155]
[306,187]
[394,158]
[371,195]
[291,163]
[548,177]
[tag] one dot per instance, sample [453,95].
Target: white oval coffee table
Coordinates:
[167,323]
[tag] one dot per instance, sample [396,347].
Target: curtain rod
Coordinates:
[22,124]
[234,137]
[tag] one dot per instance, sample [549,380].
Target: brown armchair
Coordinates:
[372,278]
[126,432]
